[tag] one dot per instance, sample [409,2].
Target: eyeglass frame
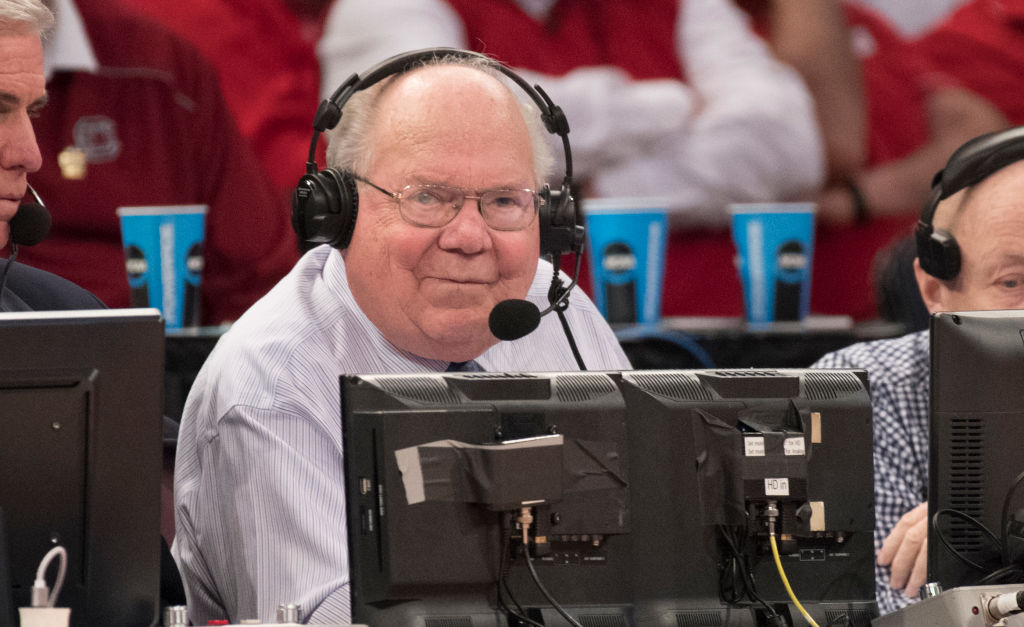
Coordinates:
[538,202]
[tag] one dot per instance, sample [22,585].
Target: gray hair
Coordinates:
[25,16]
[351,149]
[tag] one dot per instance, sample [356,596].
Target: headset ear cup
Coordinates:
[324,207]
[345,202]
[559,233]
[938,252]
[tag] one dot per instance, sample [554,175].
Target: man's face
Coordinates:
[430,290]
[22,94]
[990,232]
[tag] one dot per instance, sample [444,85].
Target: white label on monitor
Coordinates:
[754,446]
[793,446]
[776,487]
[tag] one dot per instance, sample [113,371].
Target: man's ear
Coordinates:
[933,290]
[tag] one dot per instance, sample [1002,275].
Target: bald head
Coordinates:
[432,87]
[987,221]
[448,107]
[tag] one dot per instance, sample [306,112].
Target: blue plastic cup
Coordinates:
[774,252]
[163,248]
[626,242]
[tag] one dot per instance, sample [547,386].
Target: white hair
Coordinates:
[29,16]
[350,147]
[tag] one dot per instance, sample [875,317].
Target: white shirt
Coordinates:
[67,48]
[259,486]
[743,129]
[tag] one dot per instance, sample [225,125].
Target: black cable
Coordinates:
[847,621]
[1012,573]
[739,560]
[558,296]
[954,552]
[1005,520]
[547,595]
[504,564]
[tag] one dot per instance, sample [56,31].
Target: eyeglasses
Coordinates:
[433,206]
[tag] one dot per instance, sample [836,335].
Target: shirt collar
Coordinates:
[68,49]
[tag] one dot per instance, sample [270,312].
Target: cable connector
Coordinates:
[523,520]
[41,595]
[771,512]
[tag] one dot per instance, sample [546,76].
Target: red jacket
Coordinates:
[156,131]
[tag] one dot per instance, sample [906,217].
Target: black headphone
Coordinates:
[937,249]
[325,202]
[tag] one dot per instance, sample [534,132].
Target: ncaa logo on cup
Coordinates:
[618,258]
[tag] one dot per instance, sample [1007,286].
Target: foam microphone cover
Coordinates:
[30,225]
[513,319]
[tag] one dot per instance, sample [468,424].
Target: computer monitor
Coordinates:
[975,457]
[433,548]
[80,458]
[715,447]
[637,482]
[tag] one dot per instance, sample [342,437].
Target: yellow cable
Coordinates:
[785,582]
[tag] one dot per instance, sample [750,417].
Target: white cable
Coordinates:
[41,595]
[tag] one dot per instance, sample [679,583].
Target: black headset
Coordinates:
[937,249]
[325,202]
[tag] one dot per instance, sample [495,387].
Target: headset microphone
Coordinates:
[31,224]
[513,318]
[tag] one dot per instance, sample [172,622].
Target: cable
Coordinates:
[949,547]
[1013,573]
[678,339]
[785,582]
[738,563]
[559,299]
[503,566]
[41,595]
[525,519]
[1005,520]
[547,595]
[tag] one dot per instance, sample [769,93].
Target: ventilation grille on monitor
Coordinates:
[852,617]
[602,620]
[966,485]
[823,384]
[422,389]
[579,388]
[448,621]
[699,618]
[674,385]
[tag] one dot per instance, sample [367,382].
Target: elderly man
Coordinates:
[22,95]
[982,211]
[260,503]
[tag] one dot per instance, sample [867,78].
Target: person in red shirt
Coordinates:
[981,47]
[890,118]
[263,52]
[135,117]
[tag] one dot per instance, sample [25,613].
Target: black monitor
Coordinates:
[646,490]
[81,396]
[976,453]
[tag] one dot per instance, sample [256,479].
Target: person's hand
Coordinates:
[906,552]
[835,206]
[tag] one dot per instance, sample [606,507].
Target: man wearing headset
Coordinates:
[981,206]
[444,161]
[22,95]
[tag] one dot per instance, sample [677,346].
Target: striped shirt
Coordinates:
[259,490]
[899,374]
